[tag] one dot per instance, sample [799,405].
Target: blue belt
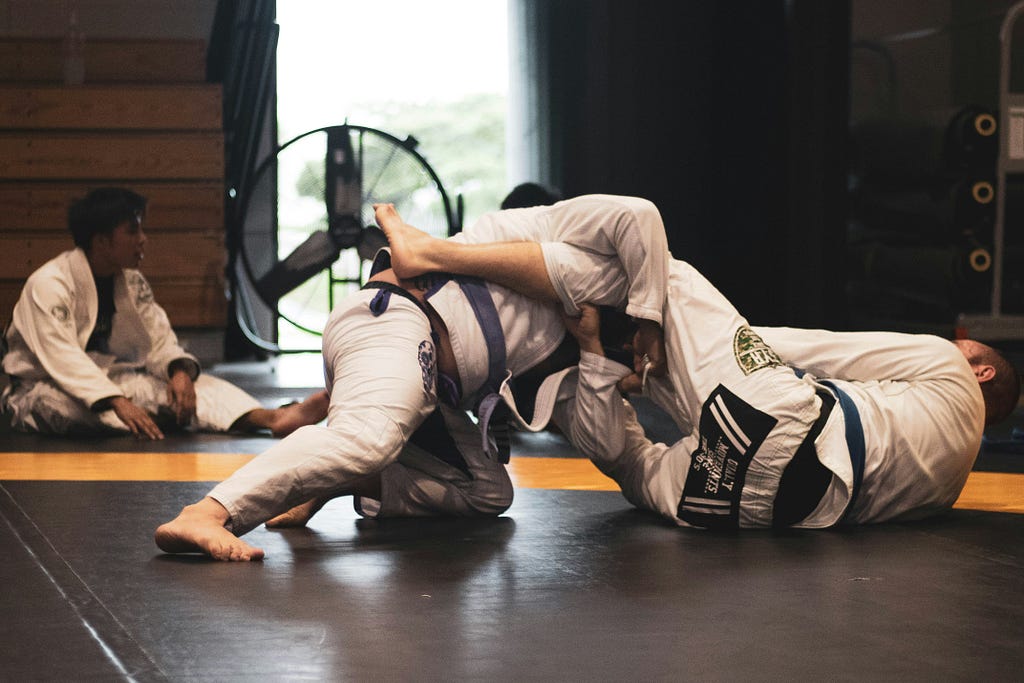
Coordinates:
[382,299]
[491,409]
[854,440]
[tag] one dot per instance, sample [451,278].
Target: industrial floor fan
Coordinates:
[297,254]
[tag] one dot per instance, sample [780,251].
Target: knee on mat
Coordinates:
[498,498]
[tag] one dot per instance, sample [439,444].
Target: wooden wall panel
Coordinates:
[106,61]
[189,303]
[27,206]
[21,255]
[9,291]
[144,119]
[144,107]
[187,255]
[129,156]
[192,303]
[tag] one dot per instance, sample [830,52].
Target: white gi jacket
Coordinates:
[57,381]
[56,314]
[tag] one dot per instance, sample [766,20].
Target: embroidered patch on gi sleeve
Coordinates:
[428,366]
[731,431]
[138,284]
[61,313]
[751,352]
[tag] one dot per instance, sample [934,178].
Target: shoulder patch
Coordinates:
[140,287]
[61,313]
[751,352]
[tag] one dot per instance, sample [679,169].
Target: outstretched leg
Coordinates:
[199,528]
[286,419]
[516,265]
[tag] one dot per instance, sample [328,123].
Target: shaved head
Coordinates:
[999,380]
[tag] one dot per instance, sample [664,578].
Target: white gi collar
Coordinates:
[558,386]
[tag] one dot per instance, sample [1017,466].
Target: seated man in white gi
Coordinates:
[782,427]
[90,351]
[397,349]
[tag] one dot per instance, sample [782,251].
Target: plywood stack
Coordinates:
[145,119]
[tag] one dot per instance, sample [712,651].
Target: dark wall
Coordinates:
[689,104]
[818,106]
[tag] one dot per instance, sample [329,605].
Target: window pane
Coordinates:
[437,71]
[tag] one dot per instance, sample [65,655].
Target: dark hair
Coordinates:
[617,330]
[1002,392]
[102,210]
[526,195]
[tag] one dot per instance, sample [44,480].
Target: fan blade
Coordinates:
[344,188]
[372,241]
[315,254]
[345,231]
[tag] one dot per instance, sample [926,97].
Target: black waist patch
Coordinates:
[731,431]
[805,480]
[433,437]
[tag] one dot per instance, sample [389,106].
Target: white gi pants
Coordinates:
[422,484]
[381,375]
[43,407]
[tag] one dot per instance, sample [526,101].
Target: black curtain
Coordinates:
[731,117]
[242,56]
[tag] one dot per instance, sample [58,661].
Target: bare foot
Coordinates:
[298,516]
[200,529]
[287,419]
[411,248]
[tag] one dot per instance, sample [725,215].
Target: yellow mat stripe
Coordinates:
[120,466]
[543,473]
[992,491]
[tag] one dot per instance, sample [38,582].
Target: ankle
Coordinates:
[207,508]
